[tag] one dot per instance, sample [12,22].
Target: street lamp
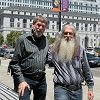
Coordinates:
[86,41]
[60,17]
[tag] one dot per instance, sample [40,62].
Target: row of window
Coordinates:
[33,2]
[56,16]
[48,3]
[91,12]
[83,8]
[85,28]
[83,4]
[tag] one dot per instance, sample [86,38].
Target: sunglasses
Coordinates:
[70,33]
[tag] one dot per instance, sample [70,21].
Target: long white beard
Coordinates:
[66,50]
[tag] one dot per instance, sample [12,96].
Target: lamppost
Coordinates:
[60,18]
[86,41]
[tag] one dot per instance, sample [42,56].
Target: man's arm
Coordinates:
[15,65]
[16,61]
[88,76]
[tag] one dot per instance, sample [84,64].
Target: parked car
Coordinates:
[2,52]
[90,50]
[93,60]
[9,53]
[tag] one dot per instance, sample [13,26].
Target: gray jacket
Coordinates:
[73,72]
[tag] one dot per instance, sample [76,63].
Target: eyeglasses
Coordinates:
[70,33]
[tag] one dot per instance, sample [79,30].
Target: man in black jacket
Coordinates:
[28,63]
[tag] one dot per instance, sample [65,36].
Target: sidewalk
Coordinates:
[7,79]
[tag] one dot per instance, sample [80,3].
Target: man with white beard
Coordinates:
[71,67]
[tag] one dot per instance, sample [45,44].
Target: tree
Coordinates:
[50,39]
[1,39]
[11,38]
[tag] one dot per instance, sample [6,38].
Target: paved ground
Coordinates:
[7,79]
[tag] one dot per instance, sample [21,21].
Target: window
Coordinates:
[86,27]
[53,34]
[12,22]
[31,14]
[18,13]
[26,1]
[18,24]
[53,27]
[24,13]
[48,25]
[82,28]
[57,24]
[90,28]
[24,23]
[77,26]
[30,25]
[94,27]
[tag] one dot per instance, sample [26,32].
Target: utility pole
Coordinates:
[60,17]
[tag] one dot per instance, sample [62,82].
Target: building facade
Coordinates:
[20,19]
[84,14]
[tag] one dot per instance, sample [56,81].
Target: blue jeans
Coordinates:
[62,93]
[39,90]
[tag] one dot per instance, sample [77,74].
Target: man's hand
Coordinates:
[90,95]
[22,86]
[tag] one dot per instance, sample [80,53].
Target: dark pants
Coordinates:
[62,93]
[39,89]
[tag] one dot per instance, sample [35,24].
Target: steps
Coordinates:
[6,93]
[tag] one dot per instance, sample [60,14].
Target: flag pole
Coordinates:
[60,17]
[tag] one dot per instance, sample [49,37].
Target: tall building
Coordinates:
[84,6]
[84,14]
[47,4]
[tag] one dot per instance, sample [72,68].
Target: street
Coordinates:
[96,71]
[7,79]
